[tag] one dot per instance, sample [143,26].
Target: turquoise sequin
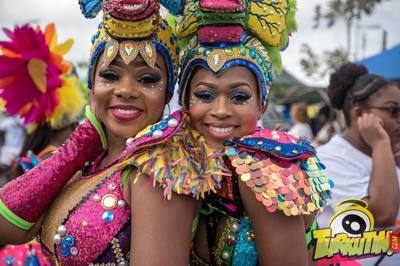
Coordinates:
[245,251]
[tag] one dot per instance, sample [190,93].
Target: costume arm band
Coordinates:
[25,199]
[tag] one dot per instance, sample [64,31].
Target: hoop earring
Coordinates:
[169,109]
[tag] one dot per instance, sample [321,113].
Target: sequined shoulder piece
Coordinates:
[181,163]
[154,134]
[296,186]
[277,143]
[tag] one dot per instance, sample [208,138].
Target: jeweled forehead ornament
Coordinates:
[129,50]
[131,28]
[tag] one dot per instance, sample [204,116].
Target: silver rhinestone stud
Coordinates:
[61,230]
[172,123]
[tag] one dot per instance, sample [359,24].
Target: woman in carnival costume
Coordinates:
[48,121]
[132,74]
[224,86]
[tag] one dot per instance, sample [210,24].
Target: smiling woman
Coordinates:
[225,106]
[263,184]
[125,98]
[86,212]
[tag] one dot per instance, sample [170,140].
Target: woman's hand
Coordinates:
[383,191]
[371,130]
[396,153]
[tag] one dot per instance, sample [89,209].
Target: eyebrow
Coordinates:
[391,102]
[231,86]
[239,83]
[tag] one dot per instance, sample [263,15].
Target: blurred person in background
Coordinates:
[326,118]
[361,161]
[47,127]
[301,127]
[13,134]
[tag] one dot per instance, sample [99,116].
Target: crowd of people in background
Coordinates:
[271,186]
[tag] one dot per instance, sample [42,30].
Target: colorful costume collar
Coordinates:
[35,81]
[131,28]
[225,33]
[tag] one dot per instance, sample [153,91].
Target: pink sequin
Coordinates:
[29,195]
[91,240]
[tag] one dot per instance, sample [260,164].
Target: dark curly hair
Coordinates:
[352,85]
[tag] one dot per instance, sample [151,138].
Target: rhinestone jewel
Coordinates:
[157,134]
[172,123]
[61,230]
[122,263]
[110,50]
[129,48]
[108,217]
[96,198]
[225,255]
[57,239]
[112,186]
[235,227]
[74,251]
[129,141]
[217,59]
[121,203]
[109,201]
[148,50]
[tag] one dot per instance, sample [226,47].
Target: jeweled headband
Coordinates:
[226,33]
[131,28]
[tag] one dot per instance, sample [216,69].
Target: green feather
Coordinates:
[284,39]
[275,56]
[291,16]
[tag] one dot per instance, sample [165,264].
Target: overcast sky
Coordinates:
[71,24]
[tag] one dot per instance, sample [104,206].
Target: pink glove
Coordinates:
[24,200]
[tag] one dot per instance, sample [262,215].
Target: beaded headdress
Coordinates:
[131,28]
[35,81]
[225,33]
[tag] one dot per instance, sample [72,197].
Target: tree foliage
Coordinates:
[331,12]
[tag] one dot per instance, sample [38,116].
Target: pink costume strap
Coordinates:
[24,200]
[154,134]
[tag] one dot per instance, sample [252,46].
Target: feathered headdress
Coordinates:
[220,34]
[131,28]
[35,81]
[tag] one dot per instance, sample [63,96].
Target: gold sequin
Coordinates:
[245,177]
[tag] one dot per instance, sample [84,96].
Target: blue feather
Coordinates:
[90,8]
[174,6]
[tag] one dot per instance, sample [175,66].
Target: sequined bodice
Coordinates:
[89,222]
